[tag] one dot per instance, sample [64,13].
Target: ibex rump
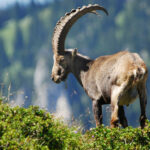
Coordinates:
[114,79]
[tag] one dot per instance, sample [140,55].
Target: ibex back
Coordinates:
[114,79]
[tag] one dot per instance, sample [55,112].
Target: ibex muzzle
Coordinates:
[59,70]
[113,79]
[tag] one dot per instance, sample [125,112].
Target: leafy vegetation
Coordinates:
[33,128]
[128,138]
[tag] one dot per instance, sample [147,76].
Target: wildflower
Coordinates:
[75,132]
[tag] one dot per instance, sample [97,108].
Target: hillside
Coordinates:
[33,128]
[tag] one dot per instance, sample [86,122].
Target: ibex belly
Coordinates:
[129,96]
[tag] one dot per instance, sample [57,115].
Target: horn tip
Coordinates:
[106,12]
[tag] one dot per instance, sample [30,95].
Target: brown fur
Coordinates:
[114,79]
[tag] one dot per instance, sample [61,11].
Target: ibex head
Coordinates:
[63,58]
[61,68]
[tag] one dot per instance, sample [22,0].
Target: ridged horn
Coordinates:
[65,23]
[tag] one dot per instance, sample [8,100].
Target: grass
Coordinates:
[33,128]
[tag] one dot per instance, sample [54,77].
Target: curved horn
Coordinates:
[66,22]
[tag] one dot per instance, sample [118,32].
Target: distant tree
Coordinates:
[4,61]
[32,4]
[133,25]
[16,11]
[37,32]
[18,42]
[4,16]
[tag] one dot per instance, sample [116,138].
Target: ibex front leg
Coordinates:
[97,110]
[143,102]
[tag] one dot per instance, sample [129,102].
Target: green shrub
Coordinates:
[32,128]
[119,139]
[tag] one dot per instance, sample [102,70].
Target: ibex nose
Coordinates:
[52,77]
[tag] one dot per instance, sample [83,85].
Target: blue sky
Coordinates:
[6,3]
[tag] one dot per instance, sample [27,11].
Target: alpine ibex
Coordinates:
[113,79]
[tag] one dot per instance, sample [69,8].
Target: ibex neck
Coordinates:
[80,66]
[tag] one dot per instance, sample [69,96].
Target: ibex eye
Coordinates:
[62,59]
[59,72]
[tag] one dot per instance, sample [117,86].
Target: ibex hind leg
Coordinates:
[116,93]
[143,102]
[122,117]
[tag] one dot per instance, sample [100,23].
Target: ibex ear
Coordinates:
[74,52]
